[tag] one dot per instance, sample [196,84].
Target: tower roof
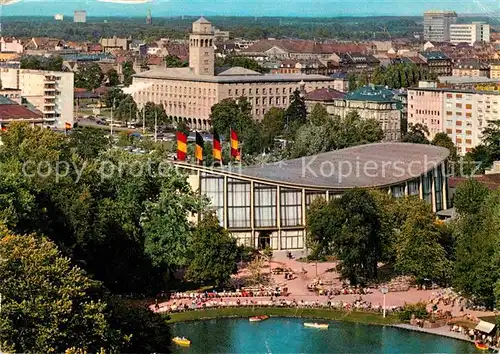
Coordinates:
[202,20]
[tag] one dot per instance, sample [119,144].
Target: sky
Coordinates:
[162,8]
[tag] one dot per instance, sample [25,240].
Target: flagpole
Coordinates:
[144,120]
[156,126]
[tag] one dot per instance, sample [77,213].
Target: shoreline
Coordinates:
[242,312]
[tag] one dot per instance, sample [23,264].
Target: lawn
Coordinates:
[326,314]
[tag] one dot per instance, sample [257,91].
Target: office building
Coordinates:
[437,25]
[460,113]
[266,206]
[51,92]
[80,16]
[371,102]
[470,33]
[189,93]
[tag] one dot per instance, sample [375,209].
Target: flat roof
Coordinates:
[186,74]
[371,165]
[446,89]
[365,166]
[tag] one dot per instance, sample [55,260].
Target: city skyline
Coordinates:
[293,8]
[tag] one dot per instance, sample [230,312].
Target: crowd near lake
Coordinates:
[288,335]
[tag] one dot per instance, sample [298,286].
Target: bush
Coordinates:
[419,310]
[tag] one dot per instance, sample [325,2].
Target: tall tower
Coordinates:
[201,48]
[149,18]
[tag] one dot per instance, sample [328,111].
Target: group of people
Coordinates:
[475,335]
[199,304]
[257,292]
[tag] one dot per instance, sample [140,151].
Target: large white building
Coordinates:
[437,25]
[80,16]
[470,33]
[51,92]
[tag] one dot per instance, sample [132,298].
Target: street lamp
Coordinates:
[384,290]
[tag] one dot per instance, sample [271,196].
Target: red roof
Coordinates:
[492,181]
[324,94]
[16,111]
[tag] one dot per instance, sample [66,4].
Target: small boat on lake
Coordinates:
[181,341]
[258,318]
[316,325]
[481,346]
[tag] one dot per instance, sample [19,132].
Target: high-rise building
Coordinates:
[470,33]
[51,92]
[201,48]
[80,16]
[149,18]
[437,25]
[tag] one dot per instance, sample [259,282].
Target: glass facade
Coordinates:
[213,187]
[291,207]
[427,187]
[398,191]
[265,202]
[414,187]
[438,186]
[238,204]
[310,196]
[292,239]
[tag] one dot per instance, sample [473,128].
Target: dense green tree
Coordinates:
[126,110]
[114,96]
[477,248]
[352,82]
[336,133]
[320,227]
[418,249]
[89,76]
[182,127]
[240,61]
[470,197]
[48,304]
[417,134]
[112,78]
[318,116]
[477,161]
[127,71]
[154,112]
[88,142]
[296,113]
[214,253]
[31,62]
[167,230]
[54,63]
[171,61]
[272,126]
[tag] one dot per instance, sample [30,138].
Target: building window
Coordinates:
[438,186]
[265,205]
[238,203]
[236,92]
[291,207]
[213,188]
[427,187]
[229,92]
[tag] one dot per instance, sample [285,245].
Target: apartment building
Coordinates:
[437,25]
[495,70]
[471,68]
[460,113]
[189,93]
[80,16]
[51,92]
[470,33]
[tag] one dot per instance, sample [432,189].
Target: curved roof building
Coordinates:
[266,205]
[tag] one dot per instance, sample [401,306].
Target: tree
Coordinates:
[182,127]
[318,116]
[255,269]
[476,254]
[241,61]
[171,61]
[128,71]
[154,112]
[114,96]
[443,140]
[478,160]
[214,252]
[167,230]
[417,134]
[54,63]
[127,110]
[272,125]
[88,142]
[296,113]
[352,82]
[112,78]
[418,249]
[320,226]
[268,254]
[30,62]
[89,76]
[48,305]
[470,197]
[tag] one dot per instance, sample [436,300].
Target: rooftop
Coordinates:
[433,55]
[375,93]
[234,75]
[10,110]
[324,94]
[372,165]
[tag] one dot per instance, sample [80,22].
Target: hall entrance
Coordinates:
[264,239]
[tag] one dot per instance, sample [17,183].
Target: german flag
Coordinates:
[67,126]
[217,149]
[181,146]
[198,150]
[235,146]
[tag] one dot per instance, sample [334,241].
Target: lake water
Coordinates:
[288,335]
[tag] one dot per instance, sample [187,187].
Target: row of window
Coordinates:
[243,91]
